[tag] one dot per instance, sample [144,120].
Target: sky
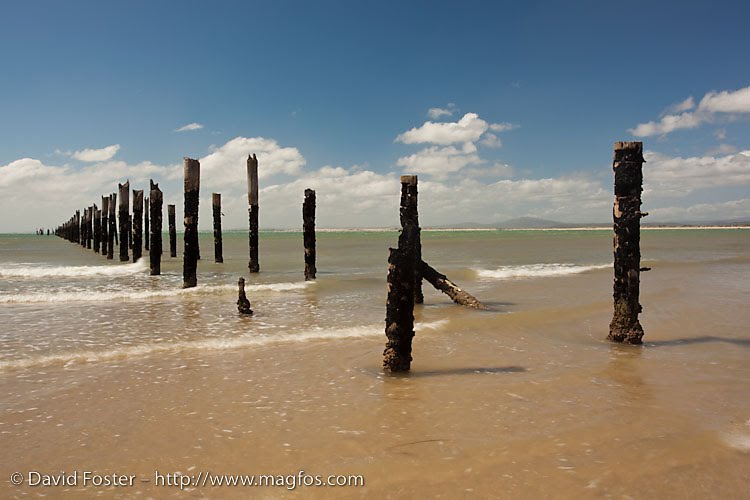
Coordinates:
[503,109]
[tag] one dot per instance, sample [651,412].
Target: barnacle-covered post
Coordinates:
[192,170]
[252,200]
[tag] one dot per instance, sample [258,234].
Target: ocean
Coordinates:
[104,368]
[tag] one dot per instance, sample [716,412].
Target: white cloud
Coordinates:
[439,161]
[503,127]
[678,117]
[468,129]
[227,164]
[93,155]
[675,176]
[733,209]
[189,127]
[491,141]
[436,113]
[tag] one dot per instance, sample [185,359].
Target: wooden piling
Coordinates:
[146,221]
[172,231]
[308,233]
[155,199]
[409,214]
[243,304]
[399,318]
[89,227]
[97,228]
[252,200]
[112,226]
[627,166]
[124,218]
[137,224]
[192,171]
[105,224]
[216,206]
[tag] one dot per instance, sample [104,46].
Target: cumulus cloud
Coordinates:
[679,116]
[189,127]
[468,129]
[441,161]
[226,164]
[676,176]
[93,155]
[436,113]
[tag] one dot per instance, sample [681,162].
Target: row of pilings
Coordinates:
[115,225]
[406,269]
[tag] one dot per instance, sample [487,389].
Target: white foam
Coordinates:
[738,441]
[91,295]
[37,271]
[69,359]
[537,271]
[432,325]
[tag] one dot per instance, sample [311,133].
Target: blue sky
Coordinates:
[332,88]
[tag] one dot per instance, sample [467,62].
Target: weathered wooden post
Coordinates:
[409,214]
[112,226]
[124,218]
[155,199]
[216,206]
[146,222]
[308,233]
[399,309]
[137,224]
[97,228]
[252,200]
[130,231]
[627,214]
[89,227]
[78,227]
[172,231]
[105,223]
[192,170]
[243,305]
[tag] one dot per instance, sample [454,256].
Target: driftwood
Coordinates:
[409,214]
[192,170]
[137,224]
[154,255]
[124,216]
[252,200]
[442,283]
[399,309]
[243,304]
[627,214]
[172,231]
[218,247]
[308,233]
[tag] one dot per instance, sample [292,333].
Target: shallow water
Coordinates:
[106,368]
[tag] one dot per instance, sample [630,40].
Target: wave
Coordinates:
[95,296]
[31,271]
[69,359]
[537,271]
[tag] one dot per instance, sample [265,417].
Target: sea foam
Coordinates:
[537,271]
[213,344]
[36,271]
[94,296]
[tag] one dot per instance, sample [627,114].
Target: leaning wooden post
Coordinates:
[192,170]
[112,226]
[105,224]
[124,218]
[243,304]
[409,214]
[216,206]
[97,228]
[172,231]
[399,309]
[137,224]
[154,255]
[252,200]
[308,233]
[627,166]
[146,221]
